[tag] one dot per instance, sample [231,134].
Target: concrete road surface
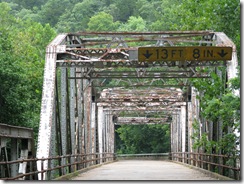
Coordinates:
[143,170]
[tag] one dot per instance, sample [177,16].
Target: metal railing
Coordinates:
[225,165]
[62,165]
[57,165]
[143,156]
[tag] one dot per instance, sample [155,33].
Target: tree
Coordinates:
[102,22]
[143,139]
[220,16]
[219,105]
[25,14]
[29,4]
[133,24]
[52,10]
[167,18]
[123,10]
[77,17]
[150,11]
[10,84]
[22,51]
[7,21]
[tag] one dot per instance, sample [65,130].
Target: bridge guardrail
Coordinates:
[225,165]
[212,162]
[81,161]
[143,156]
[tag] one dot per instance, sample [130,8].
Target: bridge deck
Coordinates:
[143,170]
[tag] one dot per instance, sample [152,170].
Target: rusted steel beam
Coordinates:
[82,47]
[157,99]
[160,109]
[141,104]
[164,100]
[128,97]
[142,123]
[97,75]
[10,131]
[102,63]
[142,120]
[191,33]
[155,91]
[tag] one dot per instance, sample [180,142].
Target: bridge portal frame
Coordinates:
[69,114]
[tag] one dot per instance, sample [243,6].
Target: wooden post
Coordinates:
[14,156]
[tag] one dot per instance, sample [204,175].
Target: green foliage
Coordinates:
[28,4]
[166,18]
[133,24]
[68,23]
[76,18]
[235,82]
[7,21]
[26,14]
[52,10]
[102,22]
[125,10]
[10,81]
[22,54]
[202,141]
[148,10]
[218,105]
[144,139]
[220,16]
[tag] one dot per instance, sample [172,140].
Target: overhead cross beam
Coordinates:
[142,120]
[164,99]
[103,50]
[107,55]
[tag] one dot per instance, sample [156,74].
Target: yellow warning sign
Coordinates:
[192,53]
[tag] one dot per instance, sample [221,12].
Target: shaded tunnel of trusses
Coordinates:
[88,70]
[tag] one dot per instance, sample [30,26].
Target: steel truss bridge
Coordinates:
[96,80]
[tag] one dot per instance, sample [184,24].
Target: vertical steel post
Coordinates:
[47,101]
[87,118]
[80,106]
[53,141]
[109,134]
[100,131]
[106,135]
[191,117]
[179,133]
[93,129]
[72,116]
[183,129]
[112,135]
[63,115]
[171,135]
[190,128]
[174,138]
